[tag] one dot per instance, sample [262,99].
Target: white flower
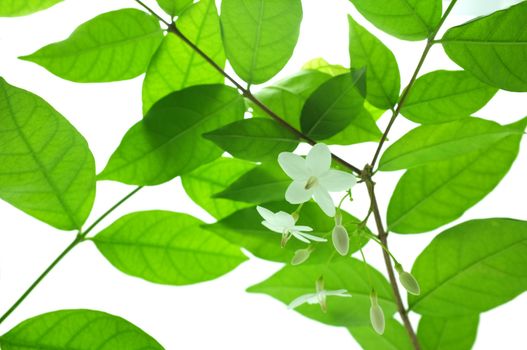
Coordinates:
[313,177]
[284,223]
[318,298]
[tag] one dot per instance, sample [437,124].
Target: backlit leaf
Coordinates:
[13,8]
[113,46]
[46,167]
[167,248]
[174,7]
[394,337]
[454,333]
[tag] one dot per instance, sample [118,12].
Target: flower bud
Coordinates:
[301,256]
[376,314]
[338,217]
[341,240]
[408,281]
[319,286]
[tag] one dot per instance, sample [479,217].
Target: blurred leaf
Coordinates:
[255,139]
[46,167]
[167,248]
[168,142]
[428,197]
[350,274]
[472,267]
[79,330]
[323,66]
[174,7]
[244,228]
[14,8]
[447,333]
[214,177]
[333,106]
[493,48]
[436,142]
[382,73]
[443,96]
[176,65]
[395,337]
[259,36]
[114,46]
[404,19]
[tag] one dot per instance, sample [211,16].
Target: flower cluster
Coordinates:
[314,179]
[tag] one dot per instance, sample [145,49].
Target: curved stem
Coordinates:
[81,237]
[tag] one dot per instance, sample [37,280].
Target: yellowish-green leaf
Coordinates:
[14,8]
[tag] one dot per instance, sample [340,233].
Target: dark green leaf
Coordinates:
[79,330]
[212,178]
[447,333]
[471,268]
[255,139]
[46,167]
[382,79]
[176,65]
[404,19]
[334,105]
[174,7]
[13,8]
[168,142]
[443,96]
[266,183]
[167,248]
[113,46]
[436,142]
[260,36]
[244,228]
[436,194]
[493,48]
[362,129]
[350,274]
[395,337]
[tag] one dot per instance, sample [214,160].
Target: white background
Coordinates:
[217,314]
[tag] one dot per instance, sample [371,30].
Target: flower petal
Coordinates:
[318,160]
[300,237]
[265,213]
[302,228]
[336,180]
[296,193]
[312,237]
[324,200]
[338,293]
[273,227]
[293,165]
[283,219]
[306,298]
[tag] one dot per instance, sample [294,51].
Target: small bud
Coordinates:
[301,256]
[319,286]
[408,281]
[285,238]
[341,240]
[338,217]
[376,314]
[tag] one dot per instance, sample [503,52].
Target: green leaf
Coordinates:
[167,248]
[471,268]
[14,8]
[382,79]
[362,129]
[255,139]
[334,105]
[114,46]
[174,7]
[46,167]
[447,333]
[428,197]
[493,48]
[244,228]
[350,274]
[79,330]
[443,96]
[260,35]
[168,142]
[212,178]
[321,65]
[265,183]
[404,19]
[436,142]
[395,337]
[176,66]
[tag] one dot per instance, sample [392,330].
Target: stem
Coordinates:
[429,43]
[79,239]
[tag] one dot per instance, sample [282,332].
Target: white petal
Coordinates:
[312,237]
[265,213]
[307,298]
[318,160]
[296,193]
[293,165]
[336,180]
[299,236]
[338,293]
[283,219]
[324,200]
[302,228]
[273,227]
